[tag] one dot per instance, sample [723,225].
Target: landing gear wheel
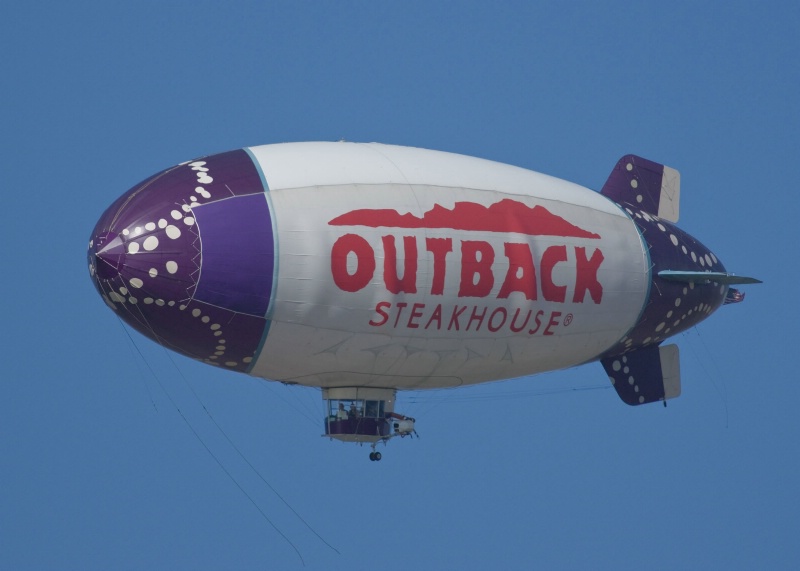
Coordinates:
[377,456]
[372,456]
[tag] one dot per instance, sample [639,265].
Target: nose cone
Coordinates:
[187,257]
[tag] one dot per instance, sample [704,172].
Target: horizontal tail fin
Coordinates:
[705,277]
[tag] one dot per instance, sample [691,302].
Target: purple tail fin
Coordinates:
[649,374]
[649,186]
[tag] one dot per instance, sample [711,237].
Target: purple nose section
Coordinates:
[109,255]
[187,257]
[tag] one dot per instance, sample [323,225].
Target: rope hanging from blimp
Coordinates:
[236,448]
[211,453]
[723,393]
[243,457]
[221,465]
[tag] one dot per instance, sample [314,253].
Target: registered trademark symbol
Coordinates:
[567,319]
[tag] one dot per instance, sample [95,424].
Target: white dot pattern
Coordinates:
[160,260]
[672,307]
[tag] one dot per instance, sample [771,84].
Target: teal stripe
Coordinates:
[271,305]
[649,261]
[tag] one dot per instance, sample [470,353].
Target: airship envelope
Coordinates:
[364,269]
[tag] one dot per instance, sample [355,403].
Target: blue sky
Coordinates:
[99,468]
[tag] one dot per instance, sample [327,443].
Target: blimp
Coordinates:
[364,269]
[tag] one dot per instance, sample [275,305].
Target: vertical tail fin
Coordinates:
[649,186]
[649,374]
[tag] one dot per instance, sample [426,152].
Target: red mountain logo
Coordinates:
[504,216]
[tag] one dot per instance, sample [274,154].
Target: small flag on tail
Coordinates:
[734,296]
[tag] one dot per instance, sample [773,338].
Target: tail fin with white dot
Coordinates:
[649,374]
[649,186]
